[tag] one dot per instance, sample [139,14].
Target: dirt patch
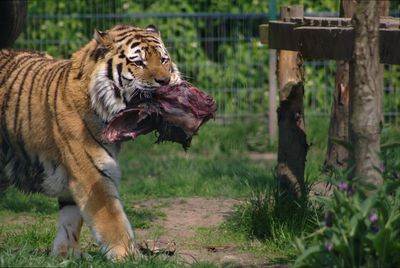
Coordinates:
[262,156]
[183,217]
[16,219]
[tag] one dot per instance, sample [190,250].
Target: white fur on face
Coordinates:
[105,100]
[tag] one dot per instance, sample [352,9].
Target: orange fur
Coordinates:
[53,111]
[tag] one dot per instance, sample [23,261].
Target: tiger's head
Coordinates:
[128,61]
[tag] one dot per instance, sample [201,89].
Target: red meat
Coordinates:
[174,112]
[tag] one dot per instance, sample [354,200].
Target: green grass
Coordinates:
[217,165]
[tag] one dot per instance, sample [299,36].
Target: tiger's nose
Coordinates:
[163,81]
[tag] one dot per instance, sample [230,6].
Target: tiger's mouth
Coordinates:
[175,112]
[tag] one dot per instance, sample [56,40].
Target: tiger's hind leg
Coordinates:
[68,231]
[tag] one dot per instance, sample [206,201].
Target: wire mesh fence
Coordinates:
[218,51]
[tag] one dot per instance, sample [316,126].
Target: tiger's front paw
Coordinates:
[120,252]
[63,250]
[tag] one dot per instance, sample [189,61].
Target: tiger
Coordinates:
[52,114]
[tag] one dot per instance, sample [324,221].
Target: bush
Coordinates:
[357,230]
[274,216]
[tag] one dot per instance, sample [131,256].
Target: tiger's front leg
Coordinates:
[93,185]
[68,230]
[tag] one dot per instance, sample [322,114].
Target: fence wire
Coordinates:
[219,52]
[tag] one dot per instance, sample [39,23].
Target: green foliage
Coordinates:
[221,55]
[390,152]
[358,230]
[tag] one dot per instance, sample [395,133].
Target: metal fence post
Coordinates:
[272,83]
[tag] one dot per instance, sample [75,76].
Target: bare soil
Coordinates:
[183,216]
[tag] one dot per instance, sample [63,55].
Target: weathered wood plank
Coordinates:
[384,22]
[325,42]
[282,36]
[337,43]
[389,44]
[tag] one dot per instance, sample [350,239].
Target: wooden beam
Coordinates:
[325,42]
[389,42]
[318,38]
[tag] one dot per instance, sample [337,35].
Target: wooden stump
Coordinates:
[292,146]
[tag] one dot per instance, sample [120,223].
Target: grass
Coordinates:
[217,165]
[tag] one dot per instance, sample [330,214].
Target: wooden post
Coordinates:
[292,146]
[365,88]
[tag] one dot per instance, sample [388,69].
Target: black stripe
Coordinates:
[135,44]
[46,77]
[80,73]
[75,237]
[66,140]
[97,168]
[66,231]
[30,93]
[13,68]
[121,54]
[6,99]
[129,40]
[123,27]
[64,76]
[51,79]
[10,59]
[109,69]
[123,37]
[99,53]
[21,86]
[64,203]
[97,141]
[119,70]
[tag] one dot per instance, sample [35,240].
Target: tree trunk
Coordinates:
[337,155]
[292,145]
[365,88]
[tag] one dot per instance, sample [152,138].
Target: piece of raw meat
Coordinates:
[174,112]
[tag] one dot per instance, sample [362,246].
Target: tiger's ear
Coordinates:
[102,38]
[153,29]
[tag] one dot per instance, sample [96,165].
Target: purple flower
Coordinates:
[373,217]
[346,187]
[328,218]
[382,167]
[328,246]
[343,186]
